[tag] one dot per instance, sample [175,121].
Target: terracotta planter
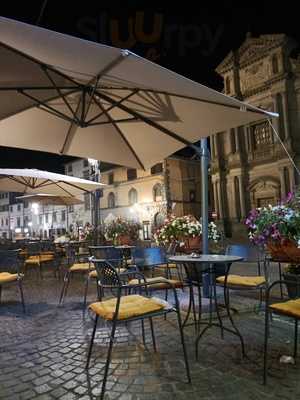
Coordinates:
[193,244]
[124,240]
[292,251]
[278,251]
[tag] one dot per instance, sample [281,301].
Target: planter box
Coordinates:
[293,289]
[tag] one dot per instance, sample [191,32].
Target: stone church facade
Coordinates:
[249,166]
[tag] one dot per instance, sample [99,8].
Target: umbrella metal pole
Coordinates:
[204,209]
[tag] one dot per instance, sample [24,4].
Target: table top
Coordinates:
[125,246]
[205,258]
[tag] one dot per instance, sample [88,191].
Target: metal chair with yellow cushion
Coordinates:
[127,308]
[75,265]
[37,257]
[289,308]
[10,271]
[250,254]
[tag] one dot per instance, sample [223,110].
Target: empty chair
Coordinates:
[75,265]
[10,271]
[123,309]
[250,254]
[288,308]
[35,257]
[150,258]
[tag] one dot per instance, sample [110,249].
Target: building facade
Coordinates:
[144,196]
[147,196]
[250,167]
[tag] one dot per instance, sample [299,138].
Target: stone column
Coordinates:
[285,115]
[212,146]
[216,205]
[275,121]
[237,139]
[216,145]
[232,200]
[282,182]
[242,197]
[218,183]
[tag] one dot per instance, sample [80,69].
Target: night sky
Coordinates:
[191,38]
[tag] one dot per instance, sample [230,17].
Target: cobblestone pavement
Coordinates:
[42,354]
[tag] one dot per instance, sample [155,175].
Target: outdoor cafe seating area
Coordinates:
[113,288]
[83,320]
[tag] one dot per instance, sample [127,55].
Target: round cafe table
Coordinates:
[194,266]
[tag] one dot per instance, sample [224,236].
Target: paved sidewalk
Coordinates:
[42,354]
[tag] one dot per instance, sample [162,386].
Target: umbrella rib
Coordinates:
[121,134]
[45,106]
[36,61]
[110,66]
[113,106]
[188,98]
[117,121]
[146,120]
[45,70]
[74,186]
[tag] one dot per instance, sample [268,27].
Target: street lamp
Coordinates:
[95,173]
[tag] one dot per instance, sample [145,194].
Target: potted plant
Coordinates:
[122,231]
[278,229]
[185,230]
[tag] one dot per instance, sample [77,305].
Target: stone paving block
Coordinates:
[50,362]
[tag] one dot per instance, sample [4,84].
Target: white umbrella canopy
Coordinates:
[47,199]
[65,95]
[37,181]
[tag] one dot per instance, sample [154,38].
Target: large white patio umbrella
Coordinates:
[65,95]
[51,199]
[31,181]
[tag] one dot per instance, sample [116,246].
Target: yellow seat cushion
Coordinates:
[159,285]
[290,307]
[33,260]
[81,267]
[130,306]
[240,280]
[46,257]
[47,253]
[6,277]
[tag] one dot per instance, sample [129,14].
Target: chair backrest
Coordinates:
[149,256]
[107,274]
[9,261]
[33,248]
[171,251]
[249,253]
[110,253]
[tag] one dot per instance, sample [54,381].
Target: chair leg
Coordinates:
[86,287]
[91,342]
[296,338]
[22,295]
[65,287]
[111,342]
[153,334]
[143,332]
[227,305]
[266,344]
[280,278]
[187,367]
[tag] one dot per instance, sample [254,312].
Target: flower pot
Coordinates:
[292,284]
[278,251]
[292,251]
[192,244]
[124,240]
